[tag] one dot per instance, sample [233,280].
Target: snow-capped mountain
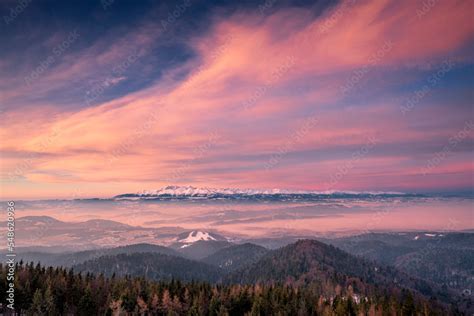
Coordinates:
[427,235]
[188,238]
[193,192]
[198,244]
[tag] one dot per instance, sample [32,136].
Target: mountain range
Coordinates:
[326,268]
[445,258]
[190,192]
[432,264]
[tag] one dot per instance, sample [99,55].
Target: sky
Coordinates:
[99,98]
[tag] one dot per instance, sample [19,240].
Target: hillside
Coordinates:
[201,248]
[72,258]
[306,263]
[444,258]
[152,266]
[311,262]
[235,257]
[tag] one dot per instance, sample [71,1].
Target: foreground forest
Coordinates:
[59,291]
[303,278]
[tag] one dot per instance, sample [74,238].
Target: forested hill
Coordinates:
[308,261]
[58,291]
[314,276]
[152,266]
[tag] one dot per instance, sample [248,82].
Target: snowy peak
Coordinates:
[427,236]
[187,239]
[192,192]
[196,236]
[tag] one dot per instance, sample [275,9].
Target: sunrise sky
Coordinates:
[106,97]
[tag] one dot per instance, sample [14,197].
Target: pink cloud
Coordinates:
[146,135]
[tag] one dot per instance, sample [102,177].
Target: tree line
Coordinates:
[60,291]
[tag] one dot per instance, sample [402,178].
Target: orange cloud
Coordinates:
[242,85]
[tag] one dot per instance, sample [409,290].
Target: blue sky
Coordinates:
[118,96]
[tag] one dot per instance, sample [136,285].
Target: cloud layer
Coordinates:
[359,95]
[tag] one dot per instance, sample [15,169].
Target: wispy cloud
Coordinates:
[242,57]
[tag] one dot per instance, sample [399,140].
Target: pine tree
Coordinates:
[49,301]
[38,305]
[116,307]
[142,306]
[87,305]
[177,306]
[166,302]
[223,311]
[256,307]
[214,305]
[155,303]
[408,307]
[302,310]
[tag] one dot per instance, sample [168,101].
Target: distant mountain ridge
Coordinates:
[193,192]
[69,259]
[44,232]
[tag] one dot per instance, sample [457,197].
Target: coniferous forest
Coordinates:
[59,291]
